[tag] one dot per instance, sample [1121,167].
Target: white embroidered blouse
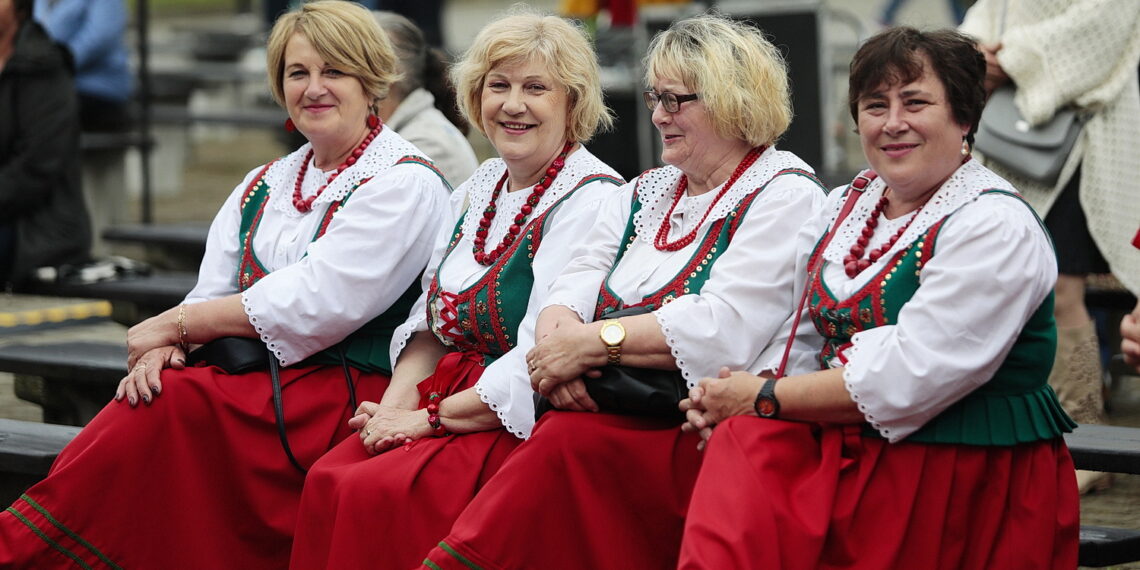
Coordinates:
[318,292]
[505,384]
[993,265]
[742,316]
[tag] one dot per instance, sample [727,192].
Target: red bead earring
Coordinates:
[373,121]
[289,126]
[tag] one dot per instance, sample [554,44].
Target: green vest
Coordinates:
[1015,406]
[692,277]
[367,347]
[485,316]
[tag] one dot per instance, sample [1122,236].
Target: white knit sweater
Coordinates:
[1086,53]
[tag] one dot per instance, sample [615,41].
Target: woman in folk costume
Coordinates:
[929,437]
[317,254]
[1084,54]
[460,398]
[706,246]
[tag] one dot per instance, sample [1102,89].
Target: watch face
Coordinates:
[612,333]
[766,407]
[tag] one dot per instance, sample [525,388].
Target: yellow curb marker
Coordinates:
[79,311]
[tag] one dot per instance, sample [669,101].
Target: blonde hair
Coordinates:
[345,35]
[740,76]
[526,35]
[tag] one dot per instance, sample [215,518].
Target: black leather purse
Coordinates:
[631,391]
[238,355]
[233,354]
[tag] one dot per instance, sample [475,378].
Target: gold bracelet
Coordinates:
[182,343]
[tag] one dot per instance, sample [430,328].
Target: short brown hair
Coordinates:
[345,35]
[895,56]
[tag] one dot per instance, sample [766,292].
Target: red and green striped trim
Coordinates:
[62,529]
[454,554]
[413,159]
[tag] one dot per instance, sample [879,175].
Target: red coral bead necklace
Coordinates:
[480,241]
[661,241]
[303,204]
[853,262]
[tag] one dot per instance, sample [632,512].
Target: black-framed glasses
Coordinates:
[671,101]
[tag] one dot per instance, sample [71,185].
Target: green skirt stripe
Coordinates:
[431,564]
[57,546]
[62,528]
[448,549]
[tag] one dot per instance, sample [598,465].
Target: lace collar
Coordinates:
[965,185]
[656,187]
[384,151]
[481,184]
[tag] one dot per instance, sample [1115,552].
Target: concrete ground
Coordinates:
[212,160]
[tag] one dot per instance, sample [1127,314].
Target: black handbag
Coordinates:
[631,391]
[233,354]
[238,355]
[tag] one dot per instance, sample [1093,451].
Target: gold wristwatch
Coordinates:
[613,334]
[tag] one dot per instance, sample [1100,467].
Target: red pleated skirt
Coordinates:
[386,511]
[198,479]
[587,490]
[775,494]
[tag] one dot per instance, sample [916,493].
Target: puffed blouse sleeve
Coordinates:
[217,275]
[992,267]
[375,247]
[751,290]
[417,317]
[578,286]
[505,385]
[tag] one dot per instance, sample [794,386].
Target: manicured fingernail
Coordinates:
[133,401]
[155,389]
[146,398]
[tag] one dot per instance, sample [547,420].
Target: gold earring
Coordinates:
[965,147]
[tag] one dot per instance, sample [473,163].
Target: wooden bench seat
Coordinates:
[176,246]
[72,381]
[133,299]
[27,450]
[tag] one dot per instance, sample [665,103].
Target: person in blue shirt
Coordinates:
[93,31]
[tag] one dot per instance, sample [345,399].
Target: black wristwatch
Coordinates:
[766,404]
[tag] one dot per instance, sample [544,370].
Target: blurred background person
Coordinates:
[94,31]
[43,216]
[421,106]
[315,258]
[1082,53]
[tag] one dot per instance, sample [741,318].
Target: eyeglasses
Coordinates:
[671,101]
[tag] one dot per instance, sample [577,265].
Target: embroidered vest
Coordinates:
[1015,406]
[692,277]
[485,317]
[367,347]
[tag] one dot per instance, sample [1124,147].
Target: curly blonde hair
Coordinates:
[525,35]
[740,76]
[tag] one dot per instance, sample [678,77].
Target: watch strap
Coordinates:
[766,405]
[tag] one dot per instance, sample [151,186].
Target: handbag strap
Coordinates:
[279,410]
[347,375]
[858,185]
